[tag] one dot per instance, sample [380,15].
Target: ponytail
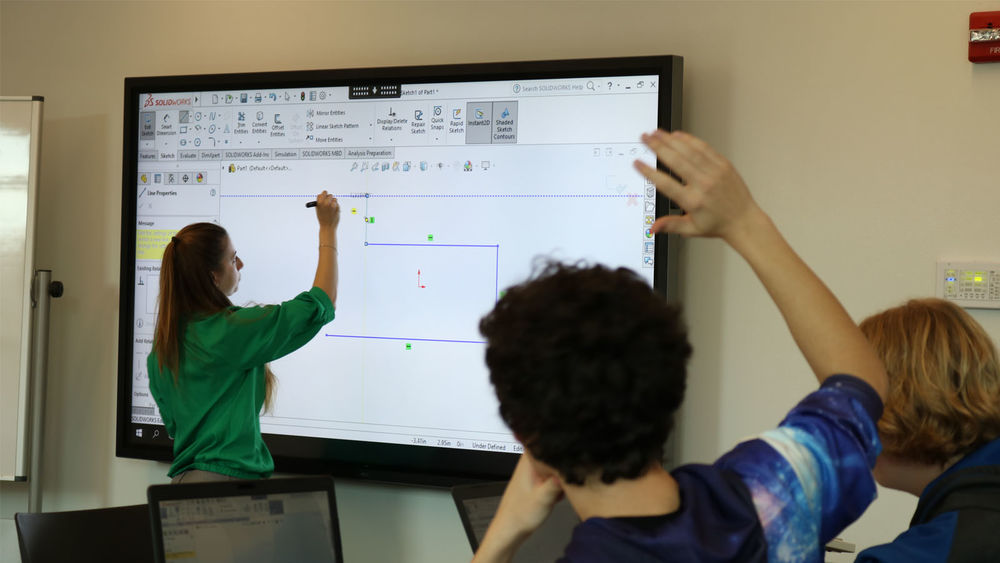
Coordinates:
[187,287]
[165,341]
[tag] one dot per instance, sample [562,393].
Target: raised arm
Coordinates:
[328,216]
[718,204]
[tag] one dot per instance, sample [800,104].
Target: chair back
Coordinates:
[109,535]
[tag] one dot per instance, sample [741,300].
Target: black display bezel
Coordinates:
[366,460]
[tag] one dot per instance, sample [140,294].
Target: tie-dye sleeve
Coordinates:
[811,476]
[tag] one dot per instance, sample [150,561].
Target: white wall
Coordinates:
[861,128]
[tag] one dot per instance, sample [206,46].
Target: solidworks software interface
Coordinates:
[449,192]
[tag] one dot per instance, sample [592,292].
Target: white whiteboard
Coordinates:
[20,128]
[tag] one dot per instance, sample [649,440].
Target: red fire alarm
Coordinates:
[984,37]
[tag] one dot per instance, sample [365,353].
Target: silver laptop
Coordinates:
[263,521]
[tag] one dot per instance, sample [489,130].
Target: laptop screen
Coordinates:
[477,513]
[261,526]
[478,503]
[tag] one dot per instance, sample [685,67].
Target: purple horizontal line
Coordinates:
[426,244]
[470,196]
[405,339]
[504,195]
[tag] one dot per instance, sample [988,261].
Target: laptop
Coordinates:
[477,503]
[266,520]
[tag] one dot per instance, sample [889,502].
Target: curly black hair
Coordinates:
[589,366]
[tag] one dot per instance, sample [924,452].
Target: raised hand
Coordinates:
[710,190]
[327,210]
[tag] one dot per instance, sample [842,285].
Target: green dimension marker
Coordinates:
[430,238]
[371,219]
[409,346]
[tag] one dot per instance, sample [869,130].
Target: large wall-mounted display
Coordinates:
[452,181]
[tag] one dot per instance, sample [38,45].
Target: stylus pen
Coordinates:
[311,204]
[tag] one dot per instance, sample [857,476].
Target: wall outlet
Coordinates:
[973,285]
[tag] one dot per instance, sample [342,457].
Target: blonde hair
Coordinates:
[944,381]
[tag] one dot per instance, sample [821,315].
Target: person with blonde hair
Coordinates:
[940,431]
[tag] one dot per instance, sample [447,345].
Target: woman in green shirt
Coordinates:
[208,369]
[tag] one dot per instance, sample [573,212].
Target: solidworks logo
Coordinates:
[165,102]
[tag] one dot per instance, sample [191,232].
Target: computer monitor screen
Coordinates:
[452,181]
[246,521]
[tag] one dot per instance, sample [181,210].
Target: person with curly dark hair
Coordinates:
[616,422]
[589,367]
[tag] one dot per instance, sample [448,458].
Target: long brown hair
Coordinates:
[944,381]
[187,288]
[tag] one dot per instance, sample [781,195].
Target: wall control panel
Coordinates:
[974,285]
